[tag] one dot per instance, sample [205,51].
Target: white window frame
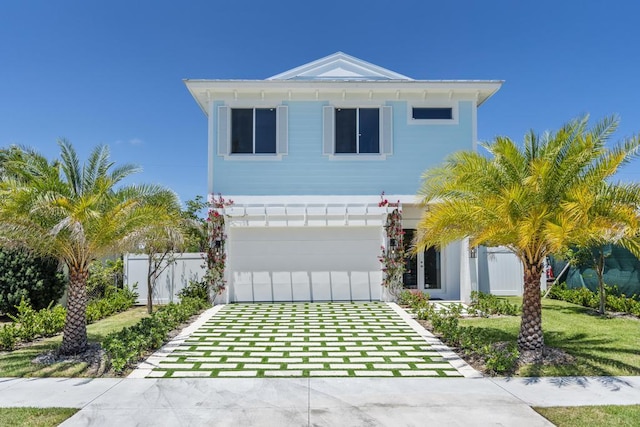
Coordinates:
[224,132]
[452,121]
[384,149]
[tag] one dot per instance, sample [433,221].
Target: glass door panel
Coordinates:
[410,276]
[422,270]
[431,269]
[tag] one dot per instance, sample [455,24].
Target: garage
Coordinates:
[271,264]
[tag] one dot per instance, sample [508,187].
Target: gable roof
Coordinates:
[338,75]
[339,66]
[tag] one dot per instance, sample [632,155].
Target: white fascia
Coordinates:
[205,90]
[315,199]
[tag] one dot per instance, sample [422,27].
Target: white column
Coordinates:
[384,294]
[227,270]
[465,272]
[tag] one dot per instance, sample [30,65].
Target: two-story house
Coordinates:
[306,154]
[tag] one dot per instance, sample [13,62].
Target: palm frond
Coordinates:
[70,166]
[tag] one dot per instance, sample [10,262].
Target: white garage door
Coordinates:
[304,264]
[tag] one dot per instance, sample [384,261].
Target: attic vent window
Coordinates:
[432,113]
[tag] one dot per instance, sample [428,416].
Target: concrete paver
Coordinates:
[303,338]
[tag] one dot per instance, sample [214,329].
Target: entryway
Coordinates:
[424,269]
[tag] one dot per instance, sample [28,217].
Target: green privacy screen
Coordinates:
[622,269]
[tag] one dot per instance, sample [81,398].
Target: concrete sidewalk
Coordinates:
[315,401]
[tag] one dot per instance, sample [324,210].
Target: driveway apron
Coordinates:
[371,339]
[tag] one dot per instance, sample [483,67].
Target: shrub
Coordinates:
[8,336]
[31,324]
[114,301]
[27,320]
[125,347]
[500,360]
[51,320]
[195,289]
[104,276]
[412,297]
[25,276]
[615,301]
[469,339]
[488,304]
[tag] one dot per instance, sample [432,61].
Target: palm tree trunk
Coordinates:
[531,338]
[74,338]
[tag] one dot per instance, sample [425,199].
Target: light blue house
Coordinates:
[306,154]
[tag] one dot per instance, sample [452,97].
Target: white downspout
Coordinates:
[211,149]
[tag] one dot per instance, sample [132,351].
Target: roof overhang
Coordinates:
[204,91]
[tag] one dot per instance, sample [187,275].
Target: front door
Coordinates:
[422,270]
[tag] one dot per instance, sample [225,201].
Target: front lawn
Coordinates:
[601,345]
[594,416]
[18,363]
[34,417]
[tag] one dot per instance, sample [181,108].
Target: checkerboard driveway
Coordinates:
[305,340]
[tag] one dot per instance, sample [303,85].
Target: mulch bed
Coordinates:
[94,356]
[550,355]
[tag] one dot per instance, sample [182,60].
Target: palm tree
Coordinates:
[77,214]
[525,198]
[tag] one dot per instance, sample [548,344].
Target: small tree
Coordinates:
[195,233]
[161,244]
[598,256]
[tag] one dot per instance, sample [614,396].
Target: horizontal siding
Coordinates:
[305,171]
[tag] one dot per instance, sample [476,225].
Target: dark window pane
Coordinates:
[432,269]
[369,130]
[266,130]
[410,275]
[433,113]
[242,131]
[346,130]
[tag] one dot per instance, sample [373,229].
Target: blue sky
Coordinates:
[111,72]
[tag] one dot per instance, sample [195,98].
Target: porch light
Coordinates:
[393,245]
[473,252]
[217,244]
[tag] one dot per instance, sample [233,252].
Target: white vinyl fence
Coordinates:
[186,267]
[500,271]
